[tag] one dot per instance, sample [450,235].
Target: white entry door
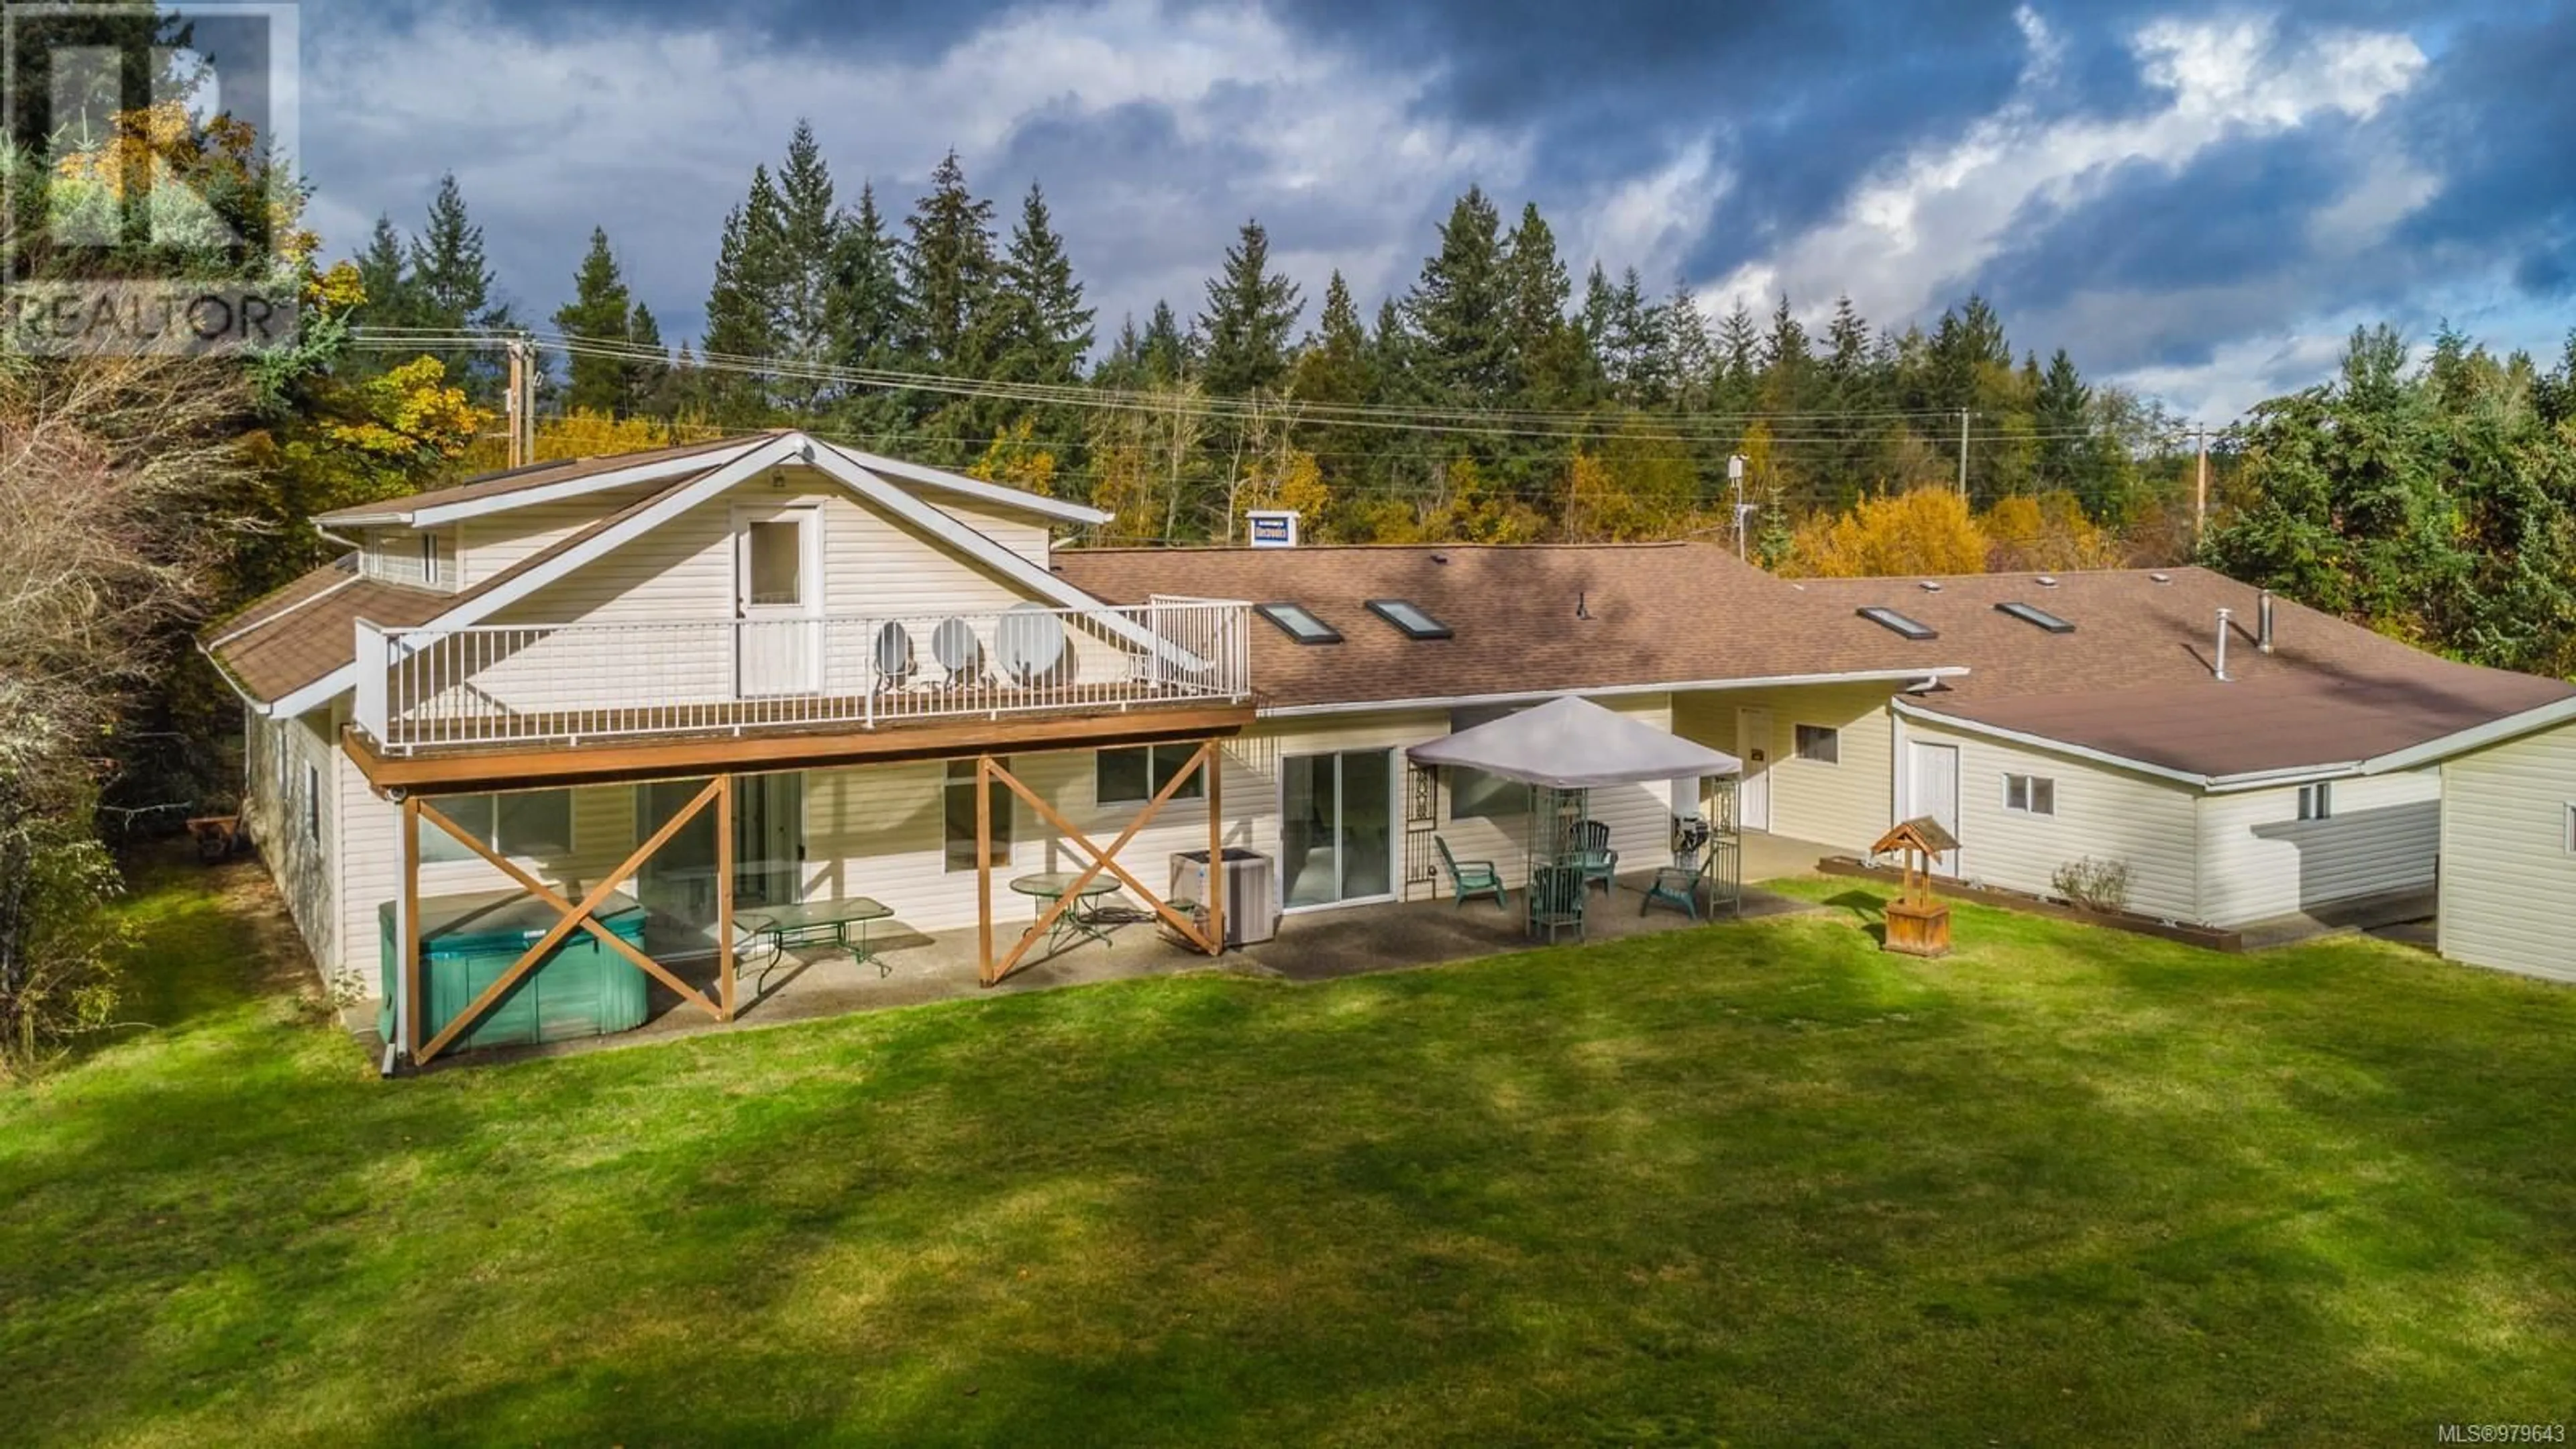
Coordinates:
[778,602]
[1934,776]
[1753,747]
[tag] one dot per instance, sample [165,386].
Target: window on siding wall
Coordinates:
[313,804]
[1820,743]
[2316,802]
[429,558]
[1135,775]
[2030,794]
[515,823]
[959,801]
[1475,795]
[2567,829]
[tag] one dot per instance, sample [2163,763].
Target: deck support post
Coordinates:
[1214,754]
[575,917]
[724,898]
[984,971]
[410,1002]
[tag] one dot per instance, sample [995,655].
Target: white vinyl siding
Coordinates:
[2260,859]
[494,542]
[684,570]
[2507,874]
[2103,813]
[284,758]
[1844,804]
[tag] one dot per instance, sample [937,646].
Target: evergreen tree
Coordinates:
[1738,362]
[2063,415]
[743,306]
[809,231]
[384,269]
[648,378]
[601,311]
[1686,348]
[1250,314]
[865,308]
[450,288]
[1636,338]
[1552,365]
[1165,353]
[1461,311]
[1044,329]
[948,272]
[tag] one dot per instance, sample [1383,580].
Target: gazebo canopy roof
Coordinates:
[1574,744]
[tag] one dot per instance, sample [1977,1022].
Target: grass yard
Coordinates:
[1755,1183]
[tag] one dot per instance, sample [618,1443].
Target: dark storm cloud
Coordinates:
[2218,220]
[2499,112]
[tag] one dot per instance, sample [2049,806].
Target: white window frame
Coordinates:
[312,803]
[2316,802]
[2030,787]
[429,560]
[2567,827]
[1798,745]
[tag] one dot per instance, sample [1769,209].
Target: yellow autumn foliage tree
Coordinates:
[1016,460]
[2048,531]
[1290,480]
[408,412]
[1925,531]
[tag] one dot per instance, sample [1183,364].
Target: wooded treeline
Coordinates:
[1500,397]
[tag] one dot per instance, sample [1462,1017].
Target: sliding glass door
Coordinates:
[1336,827]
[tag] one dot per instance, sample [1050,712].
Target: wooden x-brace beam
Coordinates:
[1101,860]
[574,916]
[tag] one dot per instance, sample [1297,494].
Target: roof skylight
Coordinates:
[2033,614]
[1298,623]
[1891,620]
[1410,620]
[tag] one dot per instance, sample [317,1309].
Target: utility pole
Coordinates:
[522,404]
[2200,488]
[1735,475]
[1963,455]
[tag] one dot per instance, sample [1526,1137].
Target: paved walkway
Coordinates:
[913,967]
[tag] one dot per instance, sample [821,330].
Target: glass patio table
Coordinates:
[1079,921]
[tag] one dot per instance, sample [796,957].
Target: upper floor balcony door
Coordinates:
[778,601]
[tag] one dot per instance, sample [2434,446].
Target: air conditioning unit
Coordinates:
[1251,892]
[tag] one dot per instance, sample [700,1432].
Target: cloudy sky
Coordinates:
[2200,200]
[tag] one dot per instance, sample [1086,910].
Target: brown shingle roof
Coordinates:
[1650,614]
[2135,679]
[304,631]
[495,485]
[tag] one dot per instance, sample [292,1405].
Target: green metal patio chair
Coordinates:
[1472,877]
[1587,847]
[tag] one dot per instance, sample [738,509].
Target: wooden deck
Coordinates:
[748,745]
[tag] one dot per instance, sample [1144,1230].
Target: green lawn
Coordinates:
[1756,1183]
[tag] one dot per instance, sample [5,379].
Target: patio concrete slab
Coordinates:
[912,967]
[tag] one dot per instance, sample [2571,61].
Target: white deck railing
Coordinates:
[534,683]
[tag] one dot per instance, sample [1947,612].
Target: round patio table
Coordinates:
[1079,921]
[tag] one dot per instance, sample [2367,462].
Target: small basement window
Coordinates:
[2033,614]
[1410,620]
[2030,794]
[1298,623]
[1820,743]
[1890,619]
[2316,802]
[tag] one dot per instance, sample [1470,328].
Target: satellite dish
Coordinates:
[955,646]
[1029,642]
[895,659]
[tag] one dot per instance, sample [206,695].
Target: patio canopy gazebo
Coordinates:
[1567,748]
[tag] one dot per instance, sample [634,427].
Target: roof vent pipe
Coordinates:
[2263,633]
[2222,646]
[1582,605]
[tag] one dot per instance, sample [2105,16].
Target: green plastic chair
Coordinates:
[1472,877]
[1588,843]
